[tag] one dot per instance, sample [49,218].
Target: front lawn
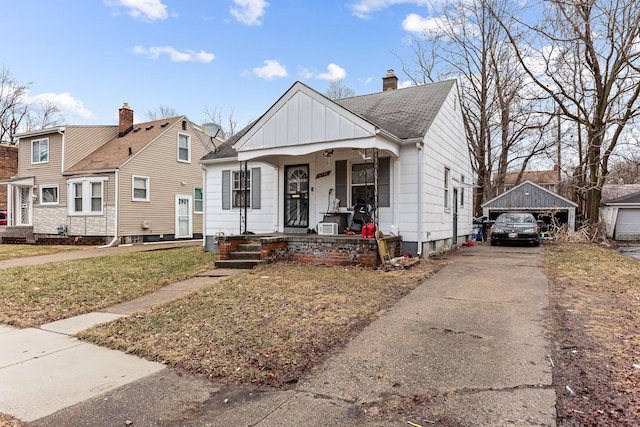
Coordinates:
[34,295]
[21,251]
[268,326]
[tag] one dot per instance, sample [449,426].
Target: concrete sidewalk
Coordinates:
[469,344]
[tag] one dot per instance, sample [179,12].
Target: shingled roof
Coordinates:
[405,113]
[117,151]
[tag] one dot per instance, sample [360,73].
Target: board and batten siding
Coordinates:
[82,140]
[168,177]
[227,221]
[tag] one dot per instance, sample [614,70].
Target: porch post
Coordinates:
[375,187]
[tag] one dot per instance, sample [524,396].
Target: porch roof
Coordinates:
[27,181]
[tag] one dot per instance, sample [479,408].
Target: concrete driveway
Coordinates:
[469,342]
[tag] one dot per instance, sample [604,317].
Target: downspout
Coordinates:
[61,132]
[204,204]
[419,146]
[115,215]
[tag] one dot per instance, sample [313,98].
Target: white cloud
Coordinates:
[66,103]
[365,8]
[188,55]
[417,24]
[249,12]
[334,72]
[271,69]
[146,10]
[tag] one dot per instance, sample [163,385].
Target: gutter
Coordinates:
[117,209]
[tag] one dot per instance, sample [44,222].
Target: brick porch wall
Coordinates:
[315,250]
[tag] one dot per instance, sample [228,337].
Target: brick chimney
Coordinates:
[390,81]
[126,120]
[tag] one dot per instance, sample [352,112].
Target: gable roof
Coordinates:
[527,196]
[119,150]
[406,113]
[403,113]
[628,199]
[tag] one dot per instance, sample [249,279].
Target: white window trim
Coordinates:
[42,187]
[447,189]
[239,171]
[86,196]
[48,150]
[148,188]
[189,198]
[188,148]
[201,200]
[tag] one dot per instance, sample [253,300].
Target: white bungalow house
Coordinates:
[310,160]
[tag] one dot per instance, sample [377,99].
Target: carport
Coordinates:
[622,217]
[530,197]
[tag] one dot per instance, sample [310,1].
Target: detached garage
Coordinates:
[622,217]
[530,197]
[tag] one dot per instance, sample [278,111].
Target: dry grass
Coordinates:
[21,251]
[268,326]
[35,295]
[601,284]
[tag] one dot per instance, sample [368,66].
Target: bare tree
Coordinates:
[504,122]
[337,90]
[162,112]
[42,116]
[227,123]
[584,56]
[12,109]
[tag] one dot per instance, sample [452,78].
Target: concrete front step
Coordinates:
[244,256]
[238,263]
[249,247]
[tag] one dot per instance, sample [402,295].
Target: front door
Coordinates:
[296,198]
[24,206]
[183,217]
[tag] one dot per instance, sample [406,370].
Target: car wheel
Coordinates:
[536,243]
[494,243]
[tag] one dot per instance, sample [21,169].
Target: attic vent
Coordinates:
[184,125]
[164,124]
[130,151]
[149,127]
[136,129]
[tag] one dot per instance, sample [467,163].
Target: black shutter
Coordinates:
[255,188]
[384,182]
[226,189]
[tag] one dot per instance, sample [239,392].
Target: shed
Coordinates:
[530,197]
[622,217]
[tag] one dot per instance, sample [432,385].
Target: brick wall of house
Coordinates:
[8,168]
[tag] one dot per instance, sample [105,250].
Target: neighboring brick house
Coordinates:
[8,168]
[124,183]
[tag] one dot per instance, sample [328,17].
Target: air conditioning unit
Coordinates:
[327,228]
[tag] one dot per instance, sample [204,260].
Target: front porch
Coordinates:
[308,249]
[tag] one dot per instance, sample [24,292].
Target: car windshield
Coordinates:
[515,218]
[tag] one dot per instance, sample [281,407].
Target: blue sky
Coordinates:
[237,57]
